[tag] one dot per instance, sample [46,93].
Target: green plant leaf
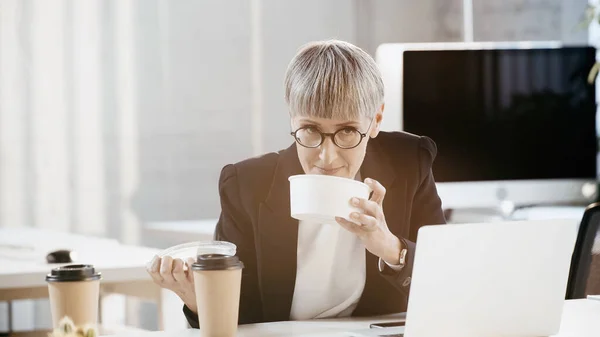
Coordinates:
[593,73]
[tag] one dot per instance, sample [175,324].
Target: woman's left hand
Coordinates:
[372,228]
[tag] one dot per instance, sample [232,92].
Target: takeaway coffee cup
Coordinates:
[217,281]
[74,292]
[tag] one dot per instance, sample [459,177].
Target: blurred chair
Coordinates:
[584,276]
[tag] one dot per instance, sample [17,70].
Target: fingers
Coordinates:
[368,206]
[372,215]
[171,274]
[365,224]
[368,223]
[166,270]
[178,273]
[190,273]
[378,190]
[153,268]
[348,225]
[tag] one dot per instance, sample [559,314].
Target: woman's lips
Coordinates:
[328,171]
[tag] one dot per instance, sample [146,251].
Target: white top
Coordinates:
[331,272]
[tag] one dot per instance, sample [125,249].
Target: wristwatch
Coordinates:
[385,267]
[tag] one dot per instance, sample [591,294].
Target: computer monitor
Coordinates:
[513,122]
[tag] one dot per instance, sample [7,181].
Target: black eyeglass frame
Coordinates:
[331,135]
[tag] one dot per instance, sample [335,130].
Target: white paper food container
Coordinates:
[320,198]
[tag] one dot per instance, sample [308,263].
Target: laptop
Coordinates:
[488,279]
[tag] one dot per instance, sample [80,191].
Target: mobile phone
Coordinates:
[387,325]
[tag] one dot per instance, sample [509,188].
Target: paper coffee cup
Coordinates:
[217,281]
[74,291]
[321,198]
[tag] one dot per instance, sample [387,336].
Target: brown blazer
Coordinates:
[255,215]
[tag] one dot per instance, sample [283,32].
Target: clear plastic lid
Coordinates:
[193,249]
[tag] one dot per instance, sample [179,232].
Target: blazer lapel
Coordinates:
[377,166]
[278,240]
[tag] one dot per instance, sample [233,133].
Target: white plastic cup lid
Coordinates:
[193,249]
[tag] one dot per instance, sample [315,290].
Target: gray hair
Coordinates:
[334,80]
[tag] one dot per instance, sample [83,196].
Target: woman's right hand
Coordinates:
[175,275]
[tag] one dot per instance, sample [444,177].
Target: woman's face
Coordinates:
[328,158]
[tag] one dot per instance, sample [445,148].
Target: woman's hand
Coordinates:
[372,228]
[176,276]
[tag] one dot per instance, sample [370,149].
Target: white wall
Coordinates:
[195,97]
[285,26]
[529,20]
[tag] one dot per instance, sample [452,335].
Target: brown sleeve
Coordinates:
[427,210]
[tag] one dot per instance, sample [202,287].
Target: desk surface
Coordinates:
[581,318]
[23,256]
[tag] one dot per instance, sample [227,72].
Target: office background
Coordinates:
[115,114]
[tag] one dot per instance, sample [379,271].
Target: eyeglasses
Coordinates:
[346,138]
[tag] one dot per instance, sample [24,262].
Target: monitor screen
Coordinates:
[508,114]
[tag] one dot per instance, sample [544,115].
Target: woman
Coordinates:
[293,270]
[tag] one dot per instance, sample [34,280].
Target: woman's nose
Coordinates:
[328,151]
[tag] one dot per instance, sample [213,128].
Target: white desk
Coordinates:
[23,265]
[581,318]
